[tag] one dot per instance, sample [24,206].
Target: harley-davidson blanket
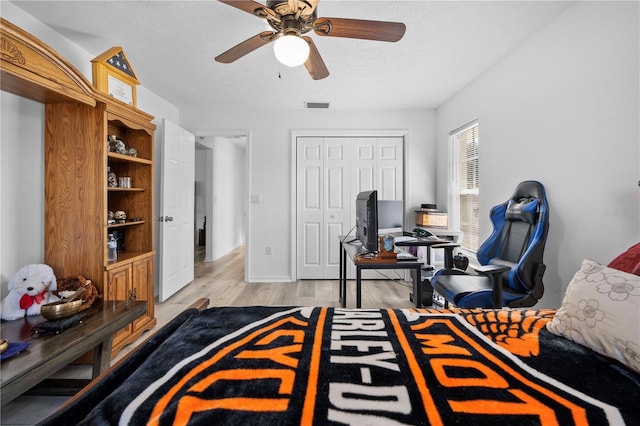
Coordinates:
[303,365]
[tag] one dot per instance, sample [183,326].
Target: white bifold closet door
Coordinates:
[331,171]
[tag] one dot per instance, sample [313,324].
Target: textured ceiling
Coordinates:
[171,46]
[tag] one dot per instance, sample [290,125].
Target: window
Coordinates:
[465,184]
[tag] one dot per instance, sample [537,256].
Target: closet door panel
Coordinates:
[310,207]
[337,212]
[390,168]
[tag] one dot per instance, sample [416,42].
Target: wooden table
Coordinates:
[350,250]
[47,354]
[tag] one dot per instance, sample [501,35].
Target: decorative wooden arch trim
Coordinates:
[31,69]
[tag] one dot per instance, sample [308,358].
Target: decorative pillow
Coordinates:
[601,310]
[629,261]
[524,209]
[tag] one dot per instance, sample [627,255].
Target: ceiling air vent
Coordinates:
[316,105]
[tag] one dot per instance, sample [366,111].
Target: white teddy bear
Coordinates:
[29,289]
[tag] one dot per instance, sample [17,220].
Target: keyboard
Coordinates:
[404,238]
[403,255]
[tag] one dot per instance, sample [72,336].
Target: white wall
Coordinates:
[562,109]
[21,185]
[270,168]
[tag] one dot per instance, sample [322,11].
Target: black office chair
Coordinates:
[511,258]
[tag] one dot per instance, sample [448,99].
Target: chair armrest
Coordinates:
[491,269]
[494,272]
[448,252]
[445,245]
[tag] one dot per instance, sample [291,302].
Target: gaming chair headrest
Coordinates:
[524,209]
[524,202]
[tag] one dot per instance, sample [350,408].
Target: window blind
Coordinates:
[468,184]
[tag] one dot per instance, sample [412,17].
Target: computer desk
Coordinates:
[348,249]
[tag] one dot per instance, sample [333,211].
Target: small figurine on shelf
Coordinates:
[120,147]
[116,145]
[120,216]
[133,152]
[110,218]
[112,180]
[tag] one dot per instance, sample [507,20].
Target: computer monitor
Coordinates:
[390,217]
[367,220]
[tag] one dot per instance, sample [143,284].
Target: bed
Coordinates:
[322,365]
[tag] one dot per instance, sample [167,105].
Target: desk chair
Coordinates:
[511,258]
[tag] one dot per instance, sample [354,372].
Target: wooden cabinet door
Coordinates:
[142,287]
[119,288]
[119,283]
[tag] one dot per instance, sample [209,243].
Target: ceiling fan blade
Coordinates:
[314,63]
[248,6]
[359,28]
[247,46]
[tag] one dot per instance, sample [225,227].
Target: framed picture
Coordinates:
[120,90]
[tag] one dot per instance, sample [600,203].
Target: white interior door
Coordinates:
[330,172]
[177,181]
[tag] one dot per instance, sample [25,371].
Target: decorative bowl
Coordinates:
[60,309]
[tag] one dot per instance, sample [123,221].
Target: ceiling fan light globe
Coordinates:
[291,50]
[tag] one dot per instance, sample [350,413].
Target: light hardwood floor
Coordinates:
[222,282]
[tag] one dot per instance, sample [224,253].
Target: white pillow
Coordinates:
[601,310]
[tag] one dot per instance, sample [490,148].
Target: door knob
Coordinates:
[166,219]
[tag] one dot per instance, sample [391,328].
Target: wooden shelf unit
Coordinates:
[131,275]
[78,121]
[77,200]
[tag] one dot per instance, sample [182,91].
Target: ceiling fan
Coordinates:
[292,18]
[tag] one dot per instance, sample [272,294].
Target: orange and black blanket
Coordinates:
[303,365]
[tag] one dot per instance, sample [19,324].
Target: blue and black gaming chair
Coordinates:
[512,269]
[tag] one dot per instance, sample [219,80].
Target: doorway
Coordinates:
[221,188]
